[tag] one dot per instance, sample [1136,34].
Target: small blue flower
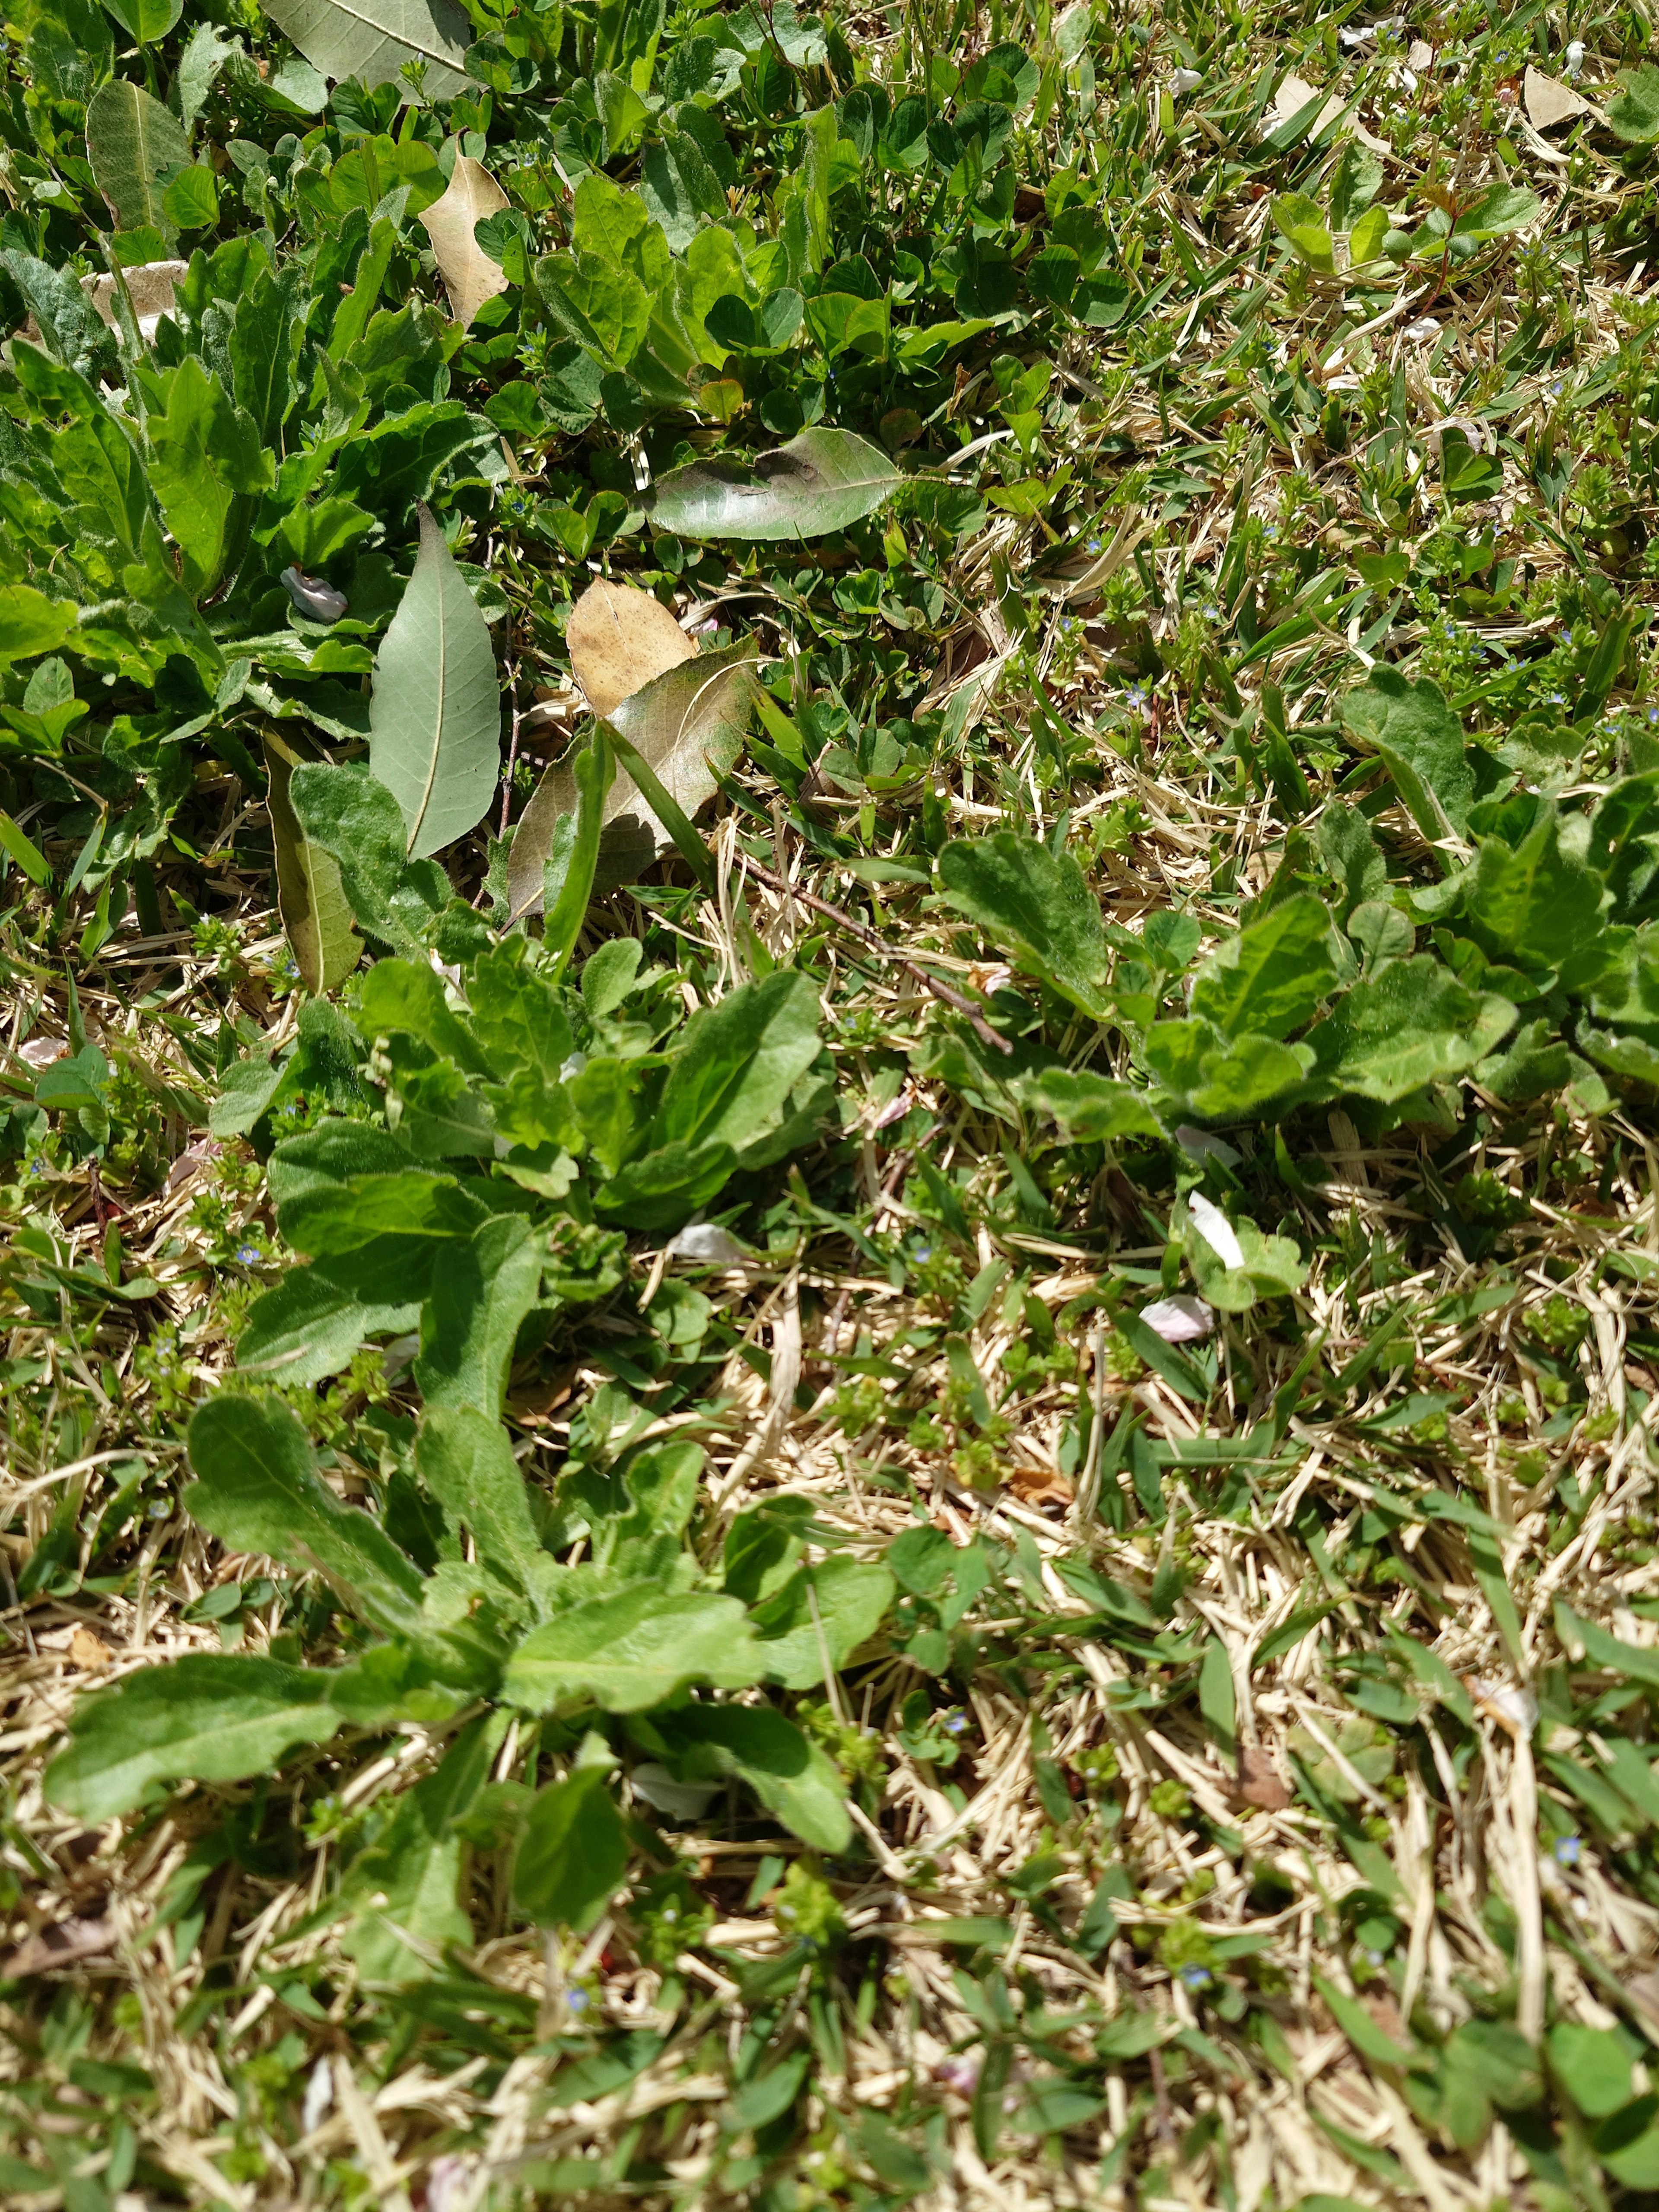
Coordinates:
[1555,389]
[577,2000]
[922,1253]
[1211,614]
[1653,713]
[39,1168]
[1556,699]
[1196,1977]
[249,1255]
[1375,1957]
[955,1723]
[1094,545]
[1135,698]
[1566,1850]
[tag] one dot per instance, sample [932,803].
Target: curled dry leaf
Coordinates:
[310,892]
[620,639]
[470,275]
[1258,1780]
[61,1946]
[1548,101]
[89,1651]
[1040,1487]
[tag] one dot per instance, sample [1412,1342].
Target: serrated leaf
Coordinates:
[480,1297]
[209,1718]
[632,1650]
[1037,904]
[465,1460]
[435,720]
[342,809]
[373,39]
[257,1489]
[137,148]
[1299,223]
[823,480]
[310,895]
[1091,1109]
[1420,740]
[316,1320]
[1539,902]
[470,275]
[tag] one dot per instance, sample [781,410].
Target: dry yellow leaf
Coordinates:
[89,1651]
[619,640]
[470,275]
[1548,100]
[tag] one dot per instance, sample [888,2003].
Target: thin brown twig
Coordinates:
[942,992]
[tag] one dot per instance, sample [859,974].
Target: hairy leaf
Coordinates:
[632,1650]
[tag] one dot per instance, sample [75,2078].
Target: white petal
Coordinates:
[1217,1232]
[705,1241]
[1179,1320]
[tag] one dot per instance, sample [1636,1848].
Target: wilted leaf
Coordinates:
[310,895]
[822,481]
[690,717]
[470,275]
[137,148]
[436,722]
[619,640]
[373,39]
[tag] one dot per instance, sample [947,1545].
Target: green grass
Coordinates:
[509,1699]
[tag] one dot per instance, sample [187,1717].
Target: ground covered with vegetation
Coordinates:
[830,916]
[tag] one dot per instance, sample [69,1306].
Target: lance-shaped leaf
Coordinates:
[687,725]
[470,275]
[343,810]
[137,148]
[632,1650]
[436,722]
[212,1718]
[373,39]
[258,1490]
[310,895]
[480,1295]
[823,480]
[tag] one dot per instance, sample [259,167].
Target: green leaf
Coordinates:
[822,481]
[1299,223]
[30,623]
[480,1297]
[573,1852]
[1592,2065]
[1633,1661]
[1216,1698]
[310,895]
[1273,976]
[466,1459]
[358,823]
[205,457]
[145,21]
[403,1894]
[436,722]
[315,1320]
[374,39]
[1037,904]
[258,1490]
[1633,111]
[632,1650]
[737,1065]
[1421,742]
[791,1777]
[1220,1077]
[1627,2143]
[1411,1024]
[137,148]
[1541,900]
[207,1718]
[812,1626]
[190,202]
[1503,208]
[1091,1108]
[1356,181]
[1362,2030]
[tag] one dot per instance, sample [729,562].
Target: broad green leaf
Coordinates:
[1365,245]
[145,21]
[201,1717]
[481,1294]
[1592,2065]
[573,1852]
[1633,111]
[205,459]
[737,1064]
[349,815]
[407,1205]
[466,1459]
[315,1320]
[680,188]
[791,1777]
[71,329]
[401,1895]
[1411,1024]
[258,1490]
[1421,742]
[435,723]
[407,995]
[1299,223]
[1091,1108]
[1353,858]
[517,1016]
[1272,976]
[1627,2143]
[812,1625]
[1268,1266]
[137,148]
[1503,208]
[1356,181]
[261,338]
[823,481]
[1541,901]
[1220,1077]
[374,39]
[310,895]
[1037,904]
[30,623]
[633,1650]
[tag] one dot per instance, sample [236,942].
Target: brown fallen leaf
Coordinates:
[89,1650]
[1549,101]
[1258,1780]
[61,1946]
[1040,1487]
[619,640]
[151,287]
[470,275]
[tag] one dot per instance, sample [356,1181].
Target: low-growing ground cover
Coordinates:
[831,917]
